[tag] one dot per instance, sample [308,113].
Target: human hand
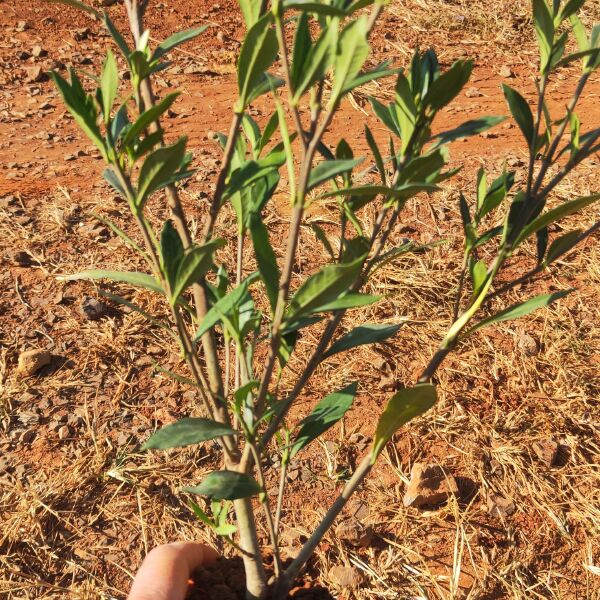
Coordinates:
[165,572]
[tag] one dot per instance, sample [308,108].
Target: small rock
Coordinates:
[93,309]
[527,344]
[345,576]
[506,71]
[499,506]
[23,55]
[63,432]
[34,74]
[38,51]
[22,26]
[27,436]
[546,450]
[69,157]
[80,34]
[32,361]
[428,485]
[487,135]
[354,532]
[358,509]
[473,92]
[21,258]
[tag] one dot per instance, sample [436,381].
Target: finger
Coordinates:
[165,571]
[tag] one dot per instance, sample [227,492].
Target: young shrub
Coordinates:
[243,409]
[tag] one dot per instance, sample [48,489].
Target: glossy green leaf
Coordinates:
[330,168]
[562,245]
[544,30]
[353,50]
[563,210]
[186,432]
[376,155]
[320,8]
[250,10]
[225,306]
[449,84]
[265,258]
[322,237]
[226,485]
[369,333]
[109,83]
[81,106]
[195,262]
[257,54]
[315,64]
[516,311]
[467,129]
[385,115]
[171,253]
[325,415]
[478,275]
[379,72]
[116,35]
[134,278]
[177,39]
[348,301]
[111,177]
[323,287]
[160,169]
[520,111]
[147,117]
[403,406]
[496,193]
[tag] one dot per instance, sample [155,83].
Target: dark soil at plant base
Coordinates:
[225,580]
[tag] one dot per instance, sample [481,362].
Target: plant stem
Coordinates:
[256,579]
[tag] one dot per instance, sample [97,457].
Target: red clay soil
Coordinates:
[41,151]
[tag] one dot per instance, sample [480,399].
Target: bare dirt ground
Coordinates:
[79,507]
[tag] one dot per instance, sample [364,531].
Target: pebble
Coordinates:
[38,51]
[506,71]
[63,432]
[473,92]
[32,361]
[93,309]
[546,451]
[345,576]
[34,74]
[354,532]
[499,506]
[528,344]
[429,485]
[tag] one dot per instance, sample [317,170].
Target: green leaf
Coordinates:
[326,414]
[348,301]
[250,10]
[134,278]
[195,263]
[563,210]
[252,171]
[467,129]
[171,252]
[378,72]
[521,112]
[516,311]
[116,36]
[385,115]
[327,169]
[496,193]
[186,432]
[322,237]
[403,407]
[449,84]
[82,107]
[226,485]
[301,50]
[225,306]
[544,30]
[399,193]
[319,8]
[363,334]
[376,154]
[111,177]
[177,39]
[109,83]
[148,117]
[478,275]
[160,169]
[79,5]
[265,258]
[569,9]
[353,50]
[562,245]
[257,54]
[315,64]
[323,287]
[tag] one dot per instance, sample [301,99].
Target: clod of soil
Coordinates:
[546,451]
[225,580]
[429,485]
[31,361]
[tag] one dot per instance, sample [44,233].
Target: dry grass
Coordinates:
[78,513]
